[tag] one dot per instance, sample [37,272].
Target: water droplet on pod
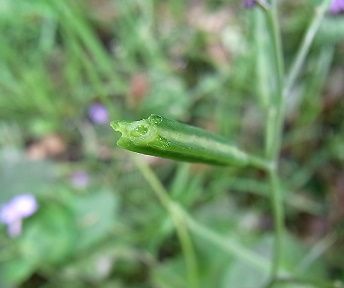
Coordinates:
[139,130]
[164,142]
[155,119]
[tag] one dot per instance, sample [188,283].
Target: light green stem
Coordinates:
[275,118]
[179,222]
[277,206]
[273,24]
[227,245]
[305,47]
[318,249]
[177,212]
[273,138]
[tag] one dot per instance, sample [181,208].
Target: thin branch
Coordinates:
[305,46]
[179,223]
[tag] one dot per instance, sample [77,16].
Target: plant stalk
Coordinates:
[278,214]
[178,221]
[228,245]
[273,137]
[305,47]
[275,118]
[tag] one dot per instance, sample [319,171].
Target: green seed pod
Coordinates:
[159,136]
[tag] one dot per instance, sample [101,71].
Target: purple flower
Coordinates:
[336,7]
[249,3]
[98,114]
[14,211]
[80,179]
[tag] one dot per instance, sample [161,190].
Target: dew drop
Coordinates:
[139,131]
[156,119]
[164,142]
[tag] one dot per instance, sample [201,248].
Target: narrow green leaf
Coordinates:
[167,138]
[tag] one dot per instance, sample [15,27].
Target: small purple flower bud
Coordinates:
[25,205]
[98,114]
[8,213]
[18,208]
[80,179]
[21,206]
[249,3]
[336,7]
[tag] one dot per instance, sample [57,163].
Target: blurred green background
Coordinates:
[202,62]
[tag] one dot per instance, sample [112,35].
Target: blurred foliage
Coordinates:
[195,61]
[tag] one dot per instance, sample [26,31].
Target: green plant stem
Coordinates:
[226,244]
[263,72]
[275,118]
[318,250]
[275,112]
[262,4]
[305,47]
[273,137]
[272,21]
[278,213]
[179,222]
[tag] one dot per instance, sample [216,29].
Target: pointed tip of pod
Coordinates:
[117,125]
[140,126]
[131,129]
[155,119]
[137,132]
